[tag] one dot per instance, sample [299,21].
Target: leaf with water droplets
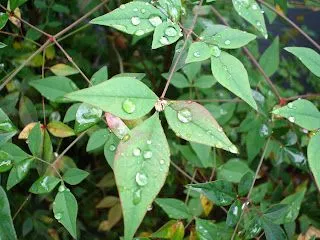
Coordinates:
[309,57]
[220,192]
[7,129]
[140,178]
[86,117]
[301,112]
[174,208]
[192,122]
[110,149]
[313,157]
[231,74]
[234,213]
[251,11]
[208,230]
[165,33]
[233,170]
[44,184]
[198,51]
[54,88]
[19,172]
[7,230]
[113,96]
[135,17]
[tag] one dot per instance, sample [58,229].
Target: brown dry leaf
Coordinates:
[106,181]
[107,202]
[114,216]
[27,129]
[15,20]
[312,232]
[206,204]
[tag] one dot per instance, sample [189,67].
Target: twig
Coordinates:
[21,206]
[250,56]
[183,172]
[291,23]
[305,96]
[215,100]
[188,192]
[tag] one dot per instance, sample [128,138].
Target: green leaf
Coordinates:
[61,69]
[207,230]
[230,38]
[231,74]
[124,97]
[220,192]
[100,76]
[74,176]
[16,3]
[313,157]
[97,139]
[35,141]
[192,122]
[27,111]
[7,230]
[44,184]
[141,166]
[7,129]
[59,129]
[204,81]
[234,213]
[233,170]
[3,20]
[245,183]
[178,80]
[276,212]
[6,161]
[301,112]
[54,88]
[174,208]
[135,17]
[71,113]
[65,209]
[309,57]
[165,34]
[203,153]
[110,147]
[198,51]
[272,231]
[19,172]
[270,58]
[251,12]
[173,230]
[2,45]
[86,117]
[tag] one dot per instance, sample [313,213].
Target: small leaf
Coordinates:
[207,230]
[65,209]
[44,184]
[86,117]
[141,166]
[27,111]
[313,157]
[19,172]
[165,34]
[233,170]
[110,147]
[107,202]
[173,230]
[74,176]
[251,11]
[35,140]
[270,58]
[97,139]
[309,57]
[54,88]
[61,69]
[3,20]
[231,74]
[178,80]
[59,129]
[192,122]
[245,183]
[234,213]
[220,192]
[198,51]
[100,76]
[301,112]
[7,230]
[174,208]
[272,231]
[276,212]
[135,17]
[71,113]
[6,161]
[7,129]
[124,97]
[2,45]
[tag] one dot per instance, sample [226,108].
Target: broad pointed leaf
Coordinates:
[7,129]
[74,176]
[313,157]
[174,208]
[44,184]
[6,225]
[166,33]
[141,166]
[207,230]
[270,58]
[198,51]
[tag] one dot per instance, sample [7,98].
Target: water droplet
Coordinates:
[58,216]
[161,161]
[171,32]
[136,152]
[128,106]
[149,208]
[184,115]
[164,41]
[220,129]
[135,9]
[147,155]
[215,51]
[120,27]
[136,197]
[112,147]
[290,105]
[122,6]
[62,188]
[44,183]
[223,112]
[149,142]
[135,21]
[264,130]
[197,54]
[139,32]
[143,10]
[254,7]
[292,119]
[258,23]
[227,42]
[155,21]
[141,179]
[233,149]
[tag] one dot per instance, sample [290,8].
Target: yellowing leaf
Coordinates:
[63,70]
[25,132]
[59,129]
[206,204]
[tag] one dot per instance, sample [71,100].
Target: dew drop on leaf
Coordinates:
[136,152]
[215,51]
[258,23]
[184,115]
[128,106]
[227,42]
[112,147]
[170,32]
[62,188]
[164,41]
[122,6]
[149,208]
[136,197]
[291,119]
[58,216]
[161,161]
[139,32]
[290,105]
[135,21]
[143,10]
[149,142]
[141,179]
[155,21]
[196,54]
[147,154]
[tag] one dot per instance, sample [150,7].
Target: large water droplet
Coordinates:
[128,106]
[292,119]
[136,152]
[122,6]
[136,197]
[290,105]
[161,161]
[164,41]
[227,42]
[149,142]
[135,21]
[155,21]
[58,216]
[215,51]
[264,130]
[147,154]
[112,147]
[258,23]
[139,32]
[141,179]
[170,32]
[62,188]
[184,115]
[197,54]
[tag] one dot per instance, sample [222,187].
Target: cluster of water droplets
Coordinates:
[87,114]
[184,115]
[61,189]
[291,107]
[128,106]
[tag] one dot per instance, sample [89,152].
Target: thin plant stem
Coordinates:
[21,206]
[20,36]
[188,192]
[183,172]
